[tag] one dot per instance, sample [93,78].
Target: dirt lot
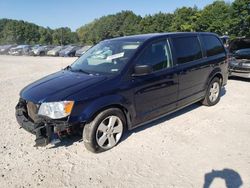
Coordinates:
[177,151]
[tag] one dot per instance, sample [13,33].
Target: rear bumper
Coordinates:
[46,130]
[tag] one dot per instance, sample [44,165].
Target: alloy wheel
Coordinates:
[214,92]
[109,132]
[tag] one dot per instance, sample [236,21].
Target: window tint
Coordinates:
[157,55]
[187,49]
[212,45]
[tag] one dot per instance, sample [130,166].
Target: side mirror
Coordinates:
[141,70]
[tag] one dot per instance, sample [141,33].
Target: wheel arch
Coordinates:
[118,106]
[215,73]
[91,110]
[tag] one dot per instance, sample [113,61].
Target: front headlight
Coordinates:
[56,110]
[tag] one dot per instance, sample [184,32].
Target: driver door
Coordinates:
[156,93]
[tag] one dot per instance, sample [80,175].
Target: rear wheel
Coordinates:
[213,93]
[105,131]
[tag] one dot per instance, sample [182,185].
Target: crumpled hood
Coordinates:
[58,86]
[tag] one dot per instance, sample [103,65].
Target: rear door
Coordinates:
[156,93]
[193,71]
[215,56]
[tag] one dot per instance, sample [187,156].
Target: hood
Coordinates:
[59,86]
[239,44]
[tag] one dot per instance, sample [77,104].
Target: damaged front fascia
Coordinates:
[43,127]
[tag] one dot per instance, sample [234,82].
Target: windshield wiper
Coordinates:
[80,70]
[75,70]
[68,68]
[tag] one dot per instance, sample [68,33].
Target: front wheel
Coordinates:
[105,131]
[213,93]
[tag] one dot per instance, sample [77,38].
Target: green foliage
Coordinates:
[45,35]
[64,36]
[20,32]
[120,24]
[240,18]
[12,31]
[160,22]
[215,18]
[184,19]
[219,17]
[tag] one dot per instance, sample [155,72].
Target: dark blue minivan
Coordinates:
[122,83]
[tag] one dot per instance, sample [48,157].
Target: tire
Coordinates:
[42,54]
[104,131]
[213,93]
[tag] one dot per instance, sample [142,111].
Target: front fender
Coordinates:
[86,111]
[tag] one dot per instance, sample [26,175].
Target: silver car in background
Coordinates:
[82,50]
[42,50]
[55,51]
[4,49]
[69,51]
[18,50]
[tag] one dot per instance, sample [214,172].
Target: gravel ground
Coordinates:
[189,148]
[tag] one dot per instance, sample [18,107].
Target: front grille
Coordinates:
[32,110]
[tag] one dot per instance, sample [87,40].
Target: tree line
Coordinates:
[21,32]
[223,18]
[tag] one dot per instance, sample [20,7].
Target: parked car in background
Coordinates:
[4,49]
[239,63]
[31,52]
[82,51]
[69,51]
[55,51]
[42,50]
[18,50]
[27,50]
[123,83]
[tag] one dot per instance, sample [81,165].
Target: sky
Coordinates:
[75,13]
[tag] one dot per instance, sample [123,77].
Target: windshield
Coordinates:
[69,48]
[107,57]
[85,48]
[35,47]
[57,48]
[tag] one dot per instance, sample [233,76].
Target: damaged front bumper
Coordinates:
[46,130]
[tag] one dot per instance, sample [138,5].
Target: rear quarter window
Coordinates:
[212,45]
[187,49]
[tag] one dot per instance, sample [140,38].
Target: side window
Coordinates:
[212,45]
[187,49]
[158,55]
